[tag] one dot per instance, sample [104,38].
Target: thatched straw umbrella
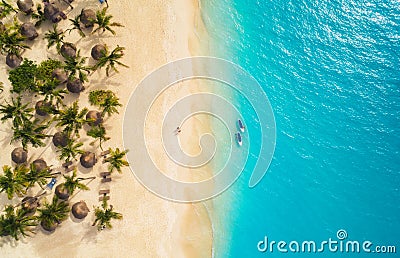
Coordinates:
[60,139]
[60,75]
[40,164]
[75,86]
[80,210]
[88,159]
[68,50]
[29,31]
[87,17]
[25,6]
[62,192]
[19,155]
[95,118]
[30,204]
[52,13]
[98,51]
[42,108]
[13,60]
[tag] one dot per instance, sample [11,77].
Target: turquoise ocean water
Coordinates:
[331,72]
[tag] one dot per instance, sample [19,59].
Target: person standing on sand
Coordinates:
[102,2]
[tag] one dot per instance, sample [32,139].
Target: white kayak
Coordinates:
[239,138]
[241,126]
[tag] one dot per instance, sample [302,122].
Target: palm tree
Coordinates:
[72,118]
[6,9]
[76,66]
[116,161]
[110,105]
[99,134]
[76,25]
[111,60]
[54,37]
[72,183]
[104,215]
[70,151]
[11,44]
[30,132]
[103,21]
[39,176]
[51,93]
[38,15]
[13,182]
[107,100]
[15,222]
[52,214]
[18,112]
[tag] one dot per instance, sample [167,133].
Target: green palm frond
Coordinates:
[16,111]
[103,22]
[116,160]
[6,9]
[76,66]
[104,214]
[30,133]
[71,151]
[54,37]
[98,133]
[54,212]
[72,183]
[76,25]
[16,223]
[111,61]
[13,182]
[71,118]
[40,177]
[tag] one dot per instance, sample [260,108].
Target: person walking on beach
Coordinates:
[178,130]
[102,2]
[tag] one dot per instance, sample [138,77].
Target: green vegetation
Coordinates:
[76,66]
[110,61]
[103,22]
[54,37]
[106,100]
[76,25]
[104,214]
[72,183]
[22,78]
[16,223]
[36,103]
[30,133]
[6,9]
[71,151]
[16,111]
[38,15]
[71,118]
[116,160]
[11,40]
[99,134]
[12,182]
[53,214]
[37,176]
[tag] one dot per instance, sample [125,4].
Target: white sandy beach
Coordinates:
[155,32]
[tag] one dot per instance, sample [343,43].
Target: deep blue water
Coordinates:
[331,72]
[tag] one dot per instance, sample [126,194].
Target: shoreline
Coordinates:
[155,33]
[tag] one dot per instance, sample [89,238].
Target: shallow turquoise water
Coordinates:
[331,72]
